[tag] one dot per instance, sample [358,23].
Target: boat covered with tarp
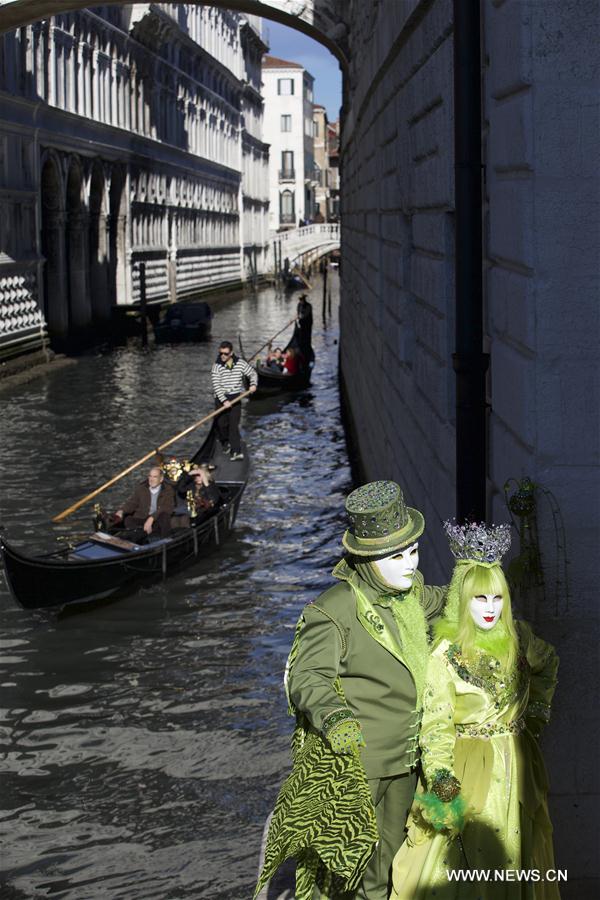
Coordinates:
[187,321]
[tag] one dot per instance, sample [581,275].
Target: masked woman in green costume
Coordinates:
[482,803]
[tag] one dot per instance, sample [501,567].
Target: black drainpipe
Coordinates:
[470,363]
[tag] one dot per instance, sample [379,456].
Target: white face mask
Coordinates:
[486,609]
[399,568]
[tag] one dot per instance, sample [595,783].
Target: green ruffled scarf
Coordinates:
[409,616]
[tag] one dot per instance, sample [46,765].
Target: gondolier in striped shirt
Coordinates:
[228,383]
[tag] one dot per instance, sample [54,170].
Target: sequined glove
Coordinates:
[343,732]
[443,807]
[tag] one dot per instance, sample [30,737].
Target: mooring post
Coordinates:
[143,307]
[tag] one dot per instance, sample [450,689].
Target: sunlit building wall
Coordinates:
[127,135]
[288,93]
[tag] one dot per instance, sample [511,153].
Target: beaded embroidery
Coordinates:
[485,672]
[334,718]
[540,709]
[491,730]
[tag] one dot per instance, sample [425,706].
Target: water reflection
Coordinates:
[144,740]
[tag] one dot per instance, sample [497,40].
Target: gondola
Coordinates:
[184,322]
[271,381]
[104,565]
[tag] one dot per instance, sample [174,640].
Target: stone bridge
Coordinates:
[319,19]
[303,246]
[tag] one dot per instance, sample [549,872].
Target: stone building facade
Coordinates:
[127,136]
[327,177]
[288,92]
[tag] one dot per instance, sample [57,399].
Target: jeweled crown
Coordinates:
[477,541]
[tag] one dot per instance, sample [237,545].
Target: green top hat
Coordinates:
[380,521]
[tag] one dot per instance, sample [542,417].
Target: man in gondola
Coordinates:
[227,375]
[151,505]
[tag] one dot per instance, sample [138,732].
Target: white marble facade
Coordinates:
[288,92]
[127,135]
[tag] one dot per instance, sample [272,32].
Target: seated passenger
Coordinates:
[293,362]
[150,506]
[201,483]
[275,359]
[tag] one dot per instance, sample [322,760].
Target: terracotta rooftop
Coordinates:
[273,62]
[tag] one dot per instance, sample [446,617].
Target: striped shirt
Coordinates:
[228,382]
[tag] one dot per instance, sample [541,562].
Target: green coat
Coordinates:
[378,687]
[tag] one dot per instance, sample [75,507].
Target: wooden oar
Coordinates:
[270,341]
[305,280]
[71,509]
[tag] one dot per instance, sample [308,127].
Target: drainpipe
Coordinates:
[470,363]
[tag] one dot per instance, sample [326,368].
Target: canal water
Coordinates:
[144,740]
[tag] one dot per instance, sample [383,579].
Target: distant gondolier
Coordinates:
[303,332]
[227,376]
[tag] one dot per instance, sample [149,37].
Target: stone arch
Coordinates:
[98,244]
[321,20]
[77,248]
[54,284]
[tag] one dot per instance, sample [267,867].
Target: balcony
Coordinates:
[287,175]
[287,219]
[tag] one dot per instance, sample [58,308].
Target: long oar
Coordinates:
[71,509]
[270,341]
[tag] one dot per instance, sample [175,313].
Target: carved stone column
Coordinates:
[77,243]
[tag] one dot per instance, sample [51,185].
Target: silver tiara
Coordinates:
[477,541]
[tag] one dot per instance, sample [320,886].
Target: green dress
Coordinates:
[480,725]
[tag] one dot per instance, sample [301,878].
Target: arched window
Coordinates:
[287,213]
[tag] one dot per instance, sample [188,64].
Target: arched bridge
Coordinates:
[302,246]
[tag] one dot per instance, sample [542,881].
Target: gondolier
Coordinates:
[227,376]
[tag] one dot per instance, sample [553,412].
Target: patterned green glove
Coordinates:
[345,736]
[443,806]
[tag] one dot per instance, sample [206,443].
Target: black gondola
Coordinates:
[273,381]
[94,568]
[185,322]
[270,381]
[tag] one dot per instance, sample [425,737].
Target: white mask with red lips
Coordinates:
[399,568]
[486,609]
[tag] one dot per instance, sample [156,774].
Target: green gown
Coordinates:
[480,725]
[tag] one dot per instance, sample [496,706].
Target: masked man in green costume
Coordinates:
[355,680]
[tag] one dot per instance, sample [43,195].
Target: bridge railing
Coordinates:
[298,242]
[331,230]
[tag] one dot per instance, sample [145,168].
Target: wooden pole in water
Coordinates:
[143,459]
[143,308]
